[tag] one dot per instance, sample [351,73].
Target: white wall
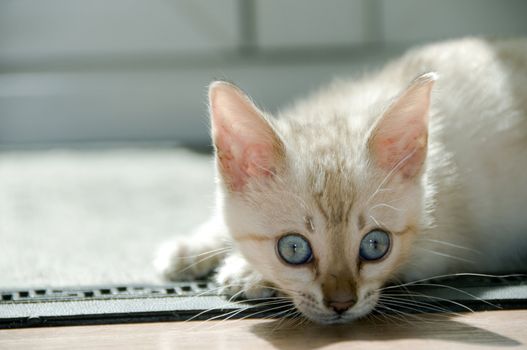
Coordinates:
[128,70]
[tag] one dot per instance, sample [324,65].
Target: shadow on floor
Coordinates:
[289,334]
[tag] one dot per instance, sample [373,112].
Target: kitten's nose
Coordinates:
[341,306]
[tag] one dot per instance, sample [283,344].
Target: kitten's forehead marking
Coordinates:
[334,196]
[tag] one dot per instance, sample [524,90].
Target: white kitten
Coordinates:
[398,175]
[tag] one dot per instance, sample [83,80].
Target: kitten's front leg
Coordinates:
[197,255]
[194,256]
[237,278]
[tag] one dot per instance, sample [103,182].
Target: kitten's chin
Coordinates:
[315,314]
[327,319]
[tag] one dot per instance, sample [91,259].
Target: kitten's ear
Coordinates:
[398,141]
[246,145]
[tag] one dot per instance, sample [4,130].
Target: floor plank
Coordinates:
[485,330]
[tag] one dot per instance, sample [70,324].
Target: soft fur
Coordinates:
[432,149]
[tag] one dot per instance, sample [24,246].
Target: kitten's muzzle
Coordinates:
[339,291]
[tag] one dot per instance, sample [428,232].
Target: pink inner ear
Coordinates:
[404,149]
[258,161]
[246,145]
[240,162]
[227,158]
[399,140]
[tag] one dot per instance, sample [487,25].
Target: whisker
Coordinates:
[233,313]
[209,291]
[428,306]
[244,302]
[206,311]
[205,253]
[254,313]
[200,261]
[378,315]
[376,222]
[301,320]
[381,315]
[286,312]
[265,169]
[451,245]
[389,175]
[459,274]
[448,255]
[437,298]
[386,206]
[437,318]
[460,291]
[396,313]
[293,314]
[236,295]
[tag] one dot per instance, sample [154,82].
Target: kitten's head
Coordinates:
[324,206]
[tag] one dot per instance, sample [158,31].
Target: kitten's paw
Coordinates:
[184,259]
[237,279]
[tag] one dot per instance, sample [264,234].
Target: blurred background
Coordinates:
[75,71]
[97,96]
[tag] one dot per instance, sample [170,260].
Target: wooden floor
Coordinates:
[482,330]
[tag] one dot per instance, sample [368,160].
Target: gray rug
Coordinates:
[71,218]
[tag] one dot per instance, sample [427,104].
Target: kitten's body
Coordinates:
[462,211]
[476,191]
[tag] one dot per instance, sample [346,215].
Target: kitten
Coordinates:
[415,171]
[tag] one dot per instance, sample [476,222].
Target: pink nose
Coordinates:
[341,306]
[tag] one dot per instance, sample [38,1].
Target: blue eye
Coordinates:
[374,245]
[294,249]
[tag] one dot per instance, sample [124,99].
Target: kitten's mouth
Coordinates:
[313,312]
[330,319]
[339,319]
